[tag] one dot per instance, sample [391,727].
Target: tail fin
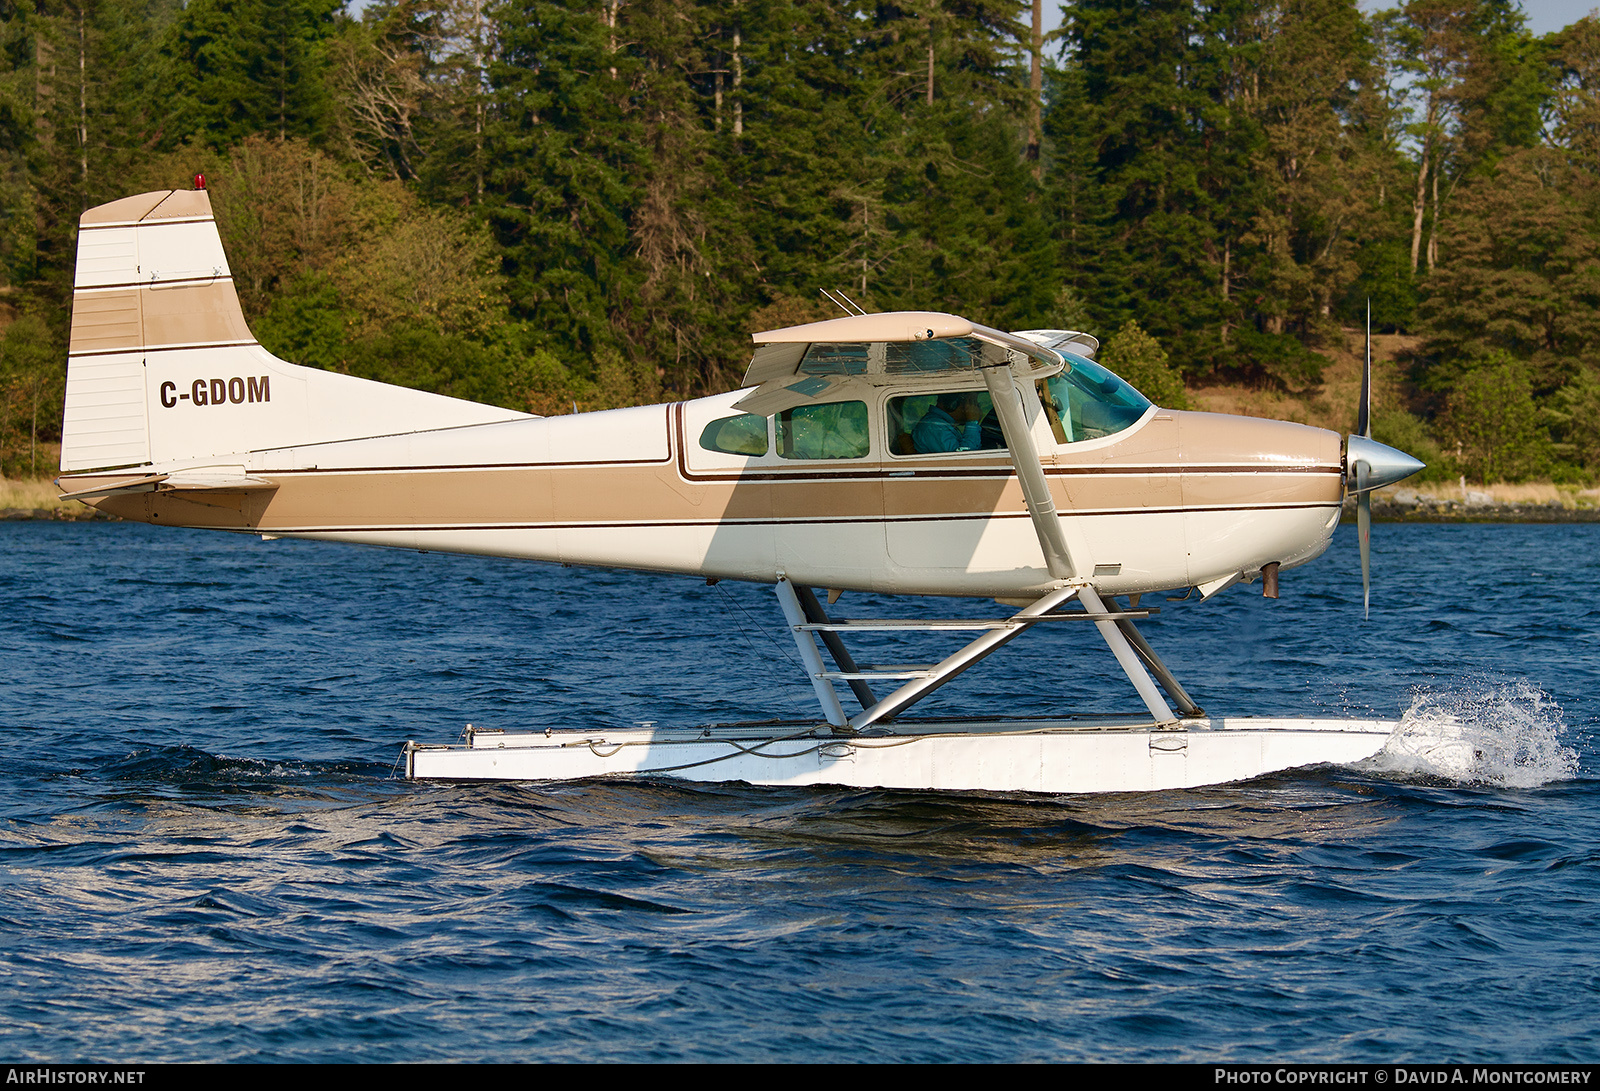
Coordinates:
[161,367]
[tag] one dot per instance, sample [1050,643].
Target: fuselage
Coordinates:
[1178,499]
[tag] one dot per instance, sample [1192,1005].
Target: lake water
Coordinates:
[205,854]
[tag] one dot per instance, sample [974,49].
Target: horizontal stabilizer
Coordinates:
[117,487]
[1073,341]
[229,479]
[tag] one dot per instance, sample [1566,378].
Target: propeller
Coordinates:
[1369,465]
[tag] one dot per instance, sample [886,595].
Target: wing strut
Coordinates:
[1025,458]
[997,374]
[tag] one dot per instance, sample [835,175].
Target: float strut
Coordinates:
[1132,664]
[989,642]
[1174,688]
[816,614]
[832,710]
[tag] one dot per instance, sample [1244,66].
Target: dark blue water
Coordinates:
[204,855]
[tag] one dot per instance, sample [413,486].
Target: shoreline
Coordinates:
[83,514]
[1435,510]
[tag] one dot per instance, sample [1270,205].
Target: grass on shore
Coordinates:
[38,494]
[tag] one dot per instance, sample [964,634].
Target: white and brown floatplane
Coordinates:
[911,453]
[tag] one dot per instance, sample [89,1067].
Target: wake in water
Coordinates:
[1506,734]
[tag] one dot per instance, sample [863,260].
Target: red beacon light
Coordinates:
[199,181]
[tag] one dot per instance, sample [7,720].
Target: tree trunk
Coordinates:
[1433,225]
[1418,206]
[83,116]
[1036,92]
[479,47]
[738,82]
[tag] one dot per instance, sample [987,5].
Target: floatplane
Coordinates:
[909,453]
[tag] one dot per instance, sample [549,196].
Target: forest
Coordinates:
[562,206]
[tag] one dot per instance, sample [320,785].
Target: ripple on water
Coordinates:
[205,857]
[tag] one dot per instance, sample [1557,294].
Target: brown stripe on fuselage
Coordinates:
[1296,473]
[633,495]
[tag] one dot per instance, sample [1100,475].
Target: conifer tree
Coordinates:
[564,180]
[240,67]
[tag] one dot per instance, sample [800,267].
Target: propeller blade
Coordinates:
[1364,535]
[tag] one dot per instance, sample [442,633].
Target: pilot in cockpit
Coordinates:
[957,421]
[953,423]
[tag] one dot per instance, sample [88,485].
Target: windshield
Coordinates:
[1085,401]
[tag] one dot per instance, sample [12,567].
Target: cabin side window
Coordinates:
[833,430]
[959,420]
[1085,401]
[745,434]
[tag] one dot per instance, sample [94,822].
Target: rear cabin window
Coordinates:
[1085,401]
[742,435]
[925,424]
[833,430]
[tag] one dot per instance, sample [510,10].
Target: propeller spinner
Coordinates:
[1370,465]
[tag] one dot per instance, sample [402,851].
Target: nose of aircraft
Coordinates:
[1382,465]
[1370,465]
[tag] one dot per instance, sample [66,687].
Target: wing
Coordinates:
[804,363]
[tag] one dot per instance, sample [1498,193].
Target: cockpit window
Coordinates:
[742,435]
[1085,401]
[962,420]
[832,430]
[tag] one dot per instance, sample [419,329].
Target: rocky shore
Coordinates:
[1411,506]
[75,513]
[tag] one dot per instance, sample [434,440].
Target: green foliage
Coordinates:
[1385,281]
[422,356]
[236,68]
[32,385]
[1522,275]
[1139,358]
[1491,426]
[1215,177]
[1276,358]
[1069,311]
[1574,413]
[308,323]
[549,388]
[566,174]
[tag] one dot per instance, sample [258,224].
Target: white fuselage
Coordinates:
[1177,500]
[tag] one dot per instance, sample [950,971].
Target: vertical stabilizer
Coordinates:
[162,367]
